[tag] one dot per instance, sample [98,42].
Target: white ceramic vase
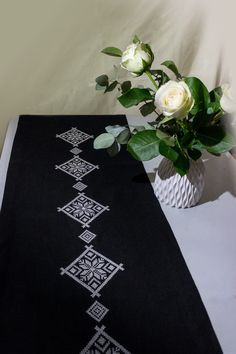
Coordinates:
[180,192]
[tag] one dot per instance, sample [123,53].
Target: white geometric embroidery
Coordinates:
[75,151]
[103,343]
[80,186]
[87,236]
[76,167]
[97,311]
[92,270]
[74,136]
[83,209]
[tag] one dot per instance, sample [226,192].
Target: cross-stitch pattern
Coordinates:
[83,209]
[97,311]
[92,270]
[103,343]
[74,136]
[76,167]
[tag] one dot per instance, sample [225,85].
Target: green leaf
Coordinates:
[147,108]
[114,149]
[134,96]
[136,39]
[210,136]
[182,165]
[111,87]
[144,145]
[103,141]
[115,130]
[114,52]
[123,137]
[168,151]
[166,119]
[99,87]
[200,94]
[226,144]
[171,66]
[126,86]
[102,80]
[161,76]
[213,107]
[194,154]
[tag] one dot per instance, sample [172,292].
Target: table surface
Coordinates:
[205,233]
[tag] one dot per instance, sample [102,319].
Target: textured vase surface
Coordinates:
[180,192]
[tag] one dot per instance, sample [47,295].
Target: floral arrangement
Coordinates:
[188,116]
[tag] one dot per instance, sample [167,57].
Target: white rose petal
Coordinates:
[227,102]
[174,99]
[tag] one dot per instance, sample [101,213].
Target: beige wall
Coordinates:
[49,53]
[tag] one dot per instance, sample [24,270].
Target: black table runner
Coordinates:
[88,261]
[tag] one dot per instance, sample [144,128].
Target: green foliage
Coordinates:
[126,86]
[102,80]
[114,149]
[136,39]
[171,66]
[147,108]
[114,52]
[178,139]
[182,164]
[144,145]
[168,151]
[134,96]
[200,94]
[123,137]
[103,141]
[111,87]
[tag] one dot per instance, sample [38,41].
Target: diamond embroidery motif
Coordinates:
[76,167]
[74,136]
[97,311]
[75,151]
[83,209]
[87,236]
[80,186]
[103,343]
[92,270]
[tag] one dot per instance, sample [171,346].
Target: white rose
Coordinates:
[174,99]
[227,103]
[137,58]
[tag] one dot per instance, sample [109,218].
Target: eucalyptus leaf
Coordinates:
[144,145]
[113,51]
[99,87]
[102,80]
[134,96]
[147,108]
[115,130]
[103,141]
[123,137]
[114,149]
[126,86]
[171,66]
[111,87]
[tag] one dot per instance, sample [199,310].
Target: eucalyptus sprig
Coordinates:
[188,116]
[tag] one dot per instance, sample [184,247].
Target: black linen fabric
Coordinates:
[132,271]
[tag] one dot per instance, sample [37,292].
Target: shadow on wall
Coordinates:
[220,178]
